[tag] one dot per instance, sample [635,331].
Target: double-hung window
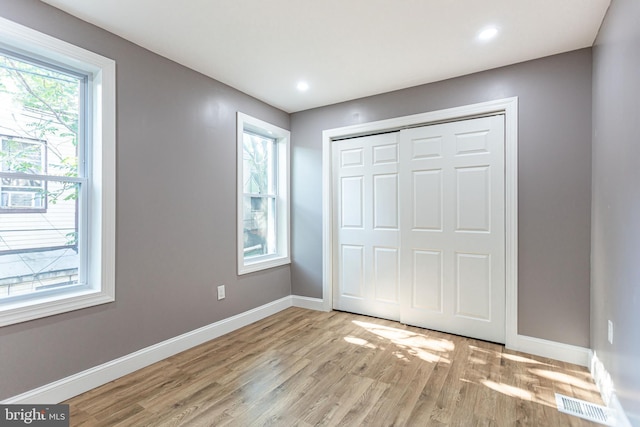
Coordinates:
[263,195]
[57,176]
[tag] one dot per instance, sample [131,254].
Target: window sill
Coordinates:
[263,264]
[35,309]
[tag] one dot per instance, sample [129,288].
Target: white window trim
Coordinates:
[282,137]
[102,203]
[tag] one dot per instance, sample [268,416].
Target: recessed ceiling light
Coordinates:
[303,86]
[488,33]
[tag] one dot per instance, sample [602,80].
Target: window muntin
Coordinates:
[263,188]
[74,262]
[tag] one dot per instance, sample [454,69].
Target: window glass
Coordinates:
[259,226]
[40,183]
[259,164]
[28,157]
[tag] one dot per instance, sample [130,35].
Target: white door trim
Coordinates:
[508,106]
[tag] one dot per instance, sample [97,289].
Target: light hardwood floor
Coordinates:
[307,368]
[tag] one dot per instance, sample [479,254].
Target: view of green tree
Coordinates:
[45,107]
[50,100]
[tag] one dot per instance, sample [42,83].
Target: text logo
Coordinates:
[34,415]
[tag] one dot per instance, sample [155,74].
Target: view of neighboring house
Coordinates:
[38,171]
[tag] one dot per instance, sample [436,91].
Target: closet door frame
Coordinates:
[507,106]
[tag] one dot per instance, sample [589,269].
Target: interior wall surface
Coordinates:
[554,181]
[615,290]
[176,214]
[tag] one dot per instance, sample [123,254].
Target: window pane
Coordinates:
[259,226]
[39,118]
[22,155]
[39,251]
[25,157]
[39,134]
[258,164]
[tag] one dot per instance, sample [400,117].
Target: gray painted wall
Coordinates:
[176,214]
[615,289]
[554,181]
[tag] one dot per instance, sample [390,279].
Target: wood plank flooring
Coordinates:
[308,368]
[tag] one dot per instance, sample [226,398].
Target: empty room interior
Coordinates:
[333,213]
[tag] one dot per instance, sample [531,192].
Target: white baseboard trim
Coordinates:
[551,349]
[601,377]
[84,381]
[309,303]
[607,389]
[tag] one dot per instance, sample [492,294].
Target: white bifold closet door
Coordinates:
[419,227]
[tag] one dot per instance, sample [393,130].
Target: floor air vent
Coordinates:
[586,410]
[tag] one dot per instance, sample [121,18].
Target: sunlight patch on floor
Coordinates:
[535,377]
[522,359]
[408,338]
[508,390]
[409,344]
[359,341]
[564,378]
[400,356]
[425,355]
[532,376]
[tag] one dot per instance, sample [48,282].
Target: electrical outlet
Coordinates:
[610,332]
[221,294]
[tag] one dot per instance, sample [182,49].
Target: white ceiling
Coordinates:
[344,49]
